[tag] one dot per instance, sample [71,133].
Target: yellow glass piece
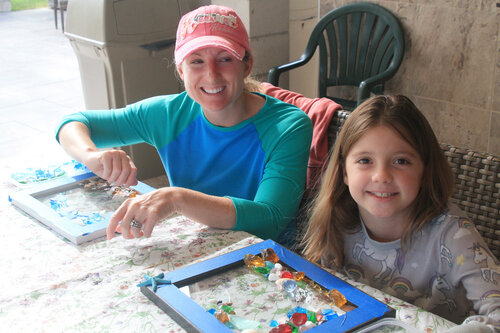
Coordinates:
[297,276]
[253,260]
[336,297]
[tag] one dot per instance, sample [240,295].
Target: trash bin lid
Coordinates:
[122,21]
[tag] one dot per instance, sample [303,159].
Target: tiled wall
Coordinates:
[451,68]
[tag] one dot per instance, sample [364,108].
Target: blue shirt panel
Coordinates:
[234,165]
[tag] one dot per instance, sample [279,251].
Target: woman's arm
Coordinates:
[150,208]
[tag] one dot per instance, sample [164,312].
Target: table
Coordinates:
[50,285]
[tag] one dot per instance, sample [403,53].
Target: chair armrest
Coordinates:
[366,86]
[275,72]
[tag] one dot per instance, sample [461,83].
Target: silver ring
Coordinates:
[135,224]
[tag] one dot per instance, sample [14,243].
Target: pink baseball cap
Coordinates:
[211,26]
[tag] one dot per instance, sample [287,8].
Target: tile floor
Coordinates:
[39,83]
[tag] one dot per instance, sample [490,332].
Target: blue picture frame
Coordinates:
[194,318]
[27,200]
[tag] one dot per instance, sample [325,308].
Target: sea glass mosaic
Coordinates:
[78,207]
[254,289]
[266,296]
[91,201]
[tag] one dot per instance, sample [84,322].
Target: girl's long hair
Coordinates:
[334,213]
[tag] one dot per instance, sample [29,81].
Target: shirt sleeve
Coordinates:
[279,194]
[477,269]
[132,124]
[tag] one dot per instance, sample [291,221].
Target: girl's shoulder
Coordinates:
[455,229]
[451,218]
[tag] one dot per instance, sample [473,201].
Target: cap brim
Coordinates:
[208,41]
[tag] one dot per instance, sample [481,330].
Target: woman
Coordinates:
[235,159]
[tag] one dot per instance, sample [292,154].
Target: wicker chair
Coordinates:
[477,178]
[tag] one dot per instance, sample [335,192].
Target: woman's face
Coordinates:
[214,78]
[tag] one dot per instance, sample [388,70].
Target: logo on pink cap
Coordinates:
[211,26]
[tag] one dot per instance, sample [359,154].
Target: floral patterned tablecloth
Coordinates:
[50,285]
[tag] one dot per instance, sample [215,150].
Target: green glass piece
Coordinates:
[262,270]
[312,316]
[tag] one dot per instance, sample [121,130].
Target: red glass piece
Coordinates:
[299,319]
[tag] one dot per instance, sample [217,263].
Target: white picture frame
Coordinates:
[29,201]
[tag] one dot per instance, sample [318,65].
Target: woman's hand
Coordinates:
[150,208]
[115,166]
[147,209]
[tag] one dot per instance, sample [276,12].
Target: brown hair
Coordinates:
[334,212]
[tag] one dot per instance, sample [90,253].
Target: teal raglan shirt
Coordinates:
[260,164]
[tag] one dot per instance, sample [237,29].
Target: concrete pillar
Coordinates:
[303,18]
[267,25]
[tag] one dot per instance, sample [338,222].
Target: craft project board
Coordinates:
[194,318]
[29,200]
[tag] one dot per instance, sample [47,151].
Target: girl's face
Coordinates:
[214,78]
[383,173]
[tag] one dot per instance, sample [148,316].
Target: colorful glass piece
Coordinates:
[326,312]
[269,264]
[269,255]
[311,316]
[222,316]
[246,325]
[286,275]
[261,270]
[336,297]
[298,276]
[302,295]
[228,309]
[253,260]
[299,319]
[273,323]
[272,277]
[290,285]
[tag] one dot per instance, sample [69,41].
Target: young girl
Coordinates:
[382,211]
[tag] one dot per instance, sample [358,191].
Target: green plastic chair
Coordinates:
[360,44]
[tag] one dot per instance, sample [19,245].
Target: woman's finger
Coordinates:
[115,220]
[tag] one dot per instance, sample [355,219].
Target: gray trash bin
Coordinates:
[125,54]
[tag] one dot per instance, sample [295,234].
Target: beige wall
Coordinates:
[451,67]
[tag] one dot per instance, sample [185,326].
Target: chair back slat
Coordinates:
[381,54]
[368,26]
[342,50]
[354,49]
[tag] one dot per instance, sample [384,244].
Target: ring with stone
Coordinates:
[135,224]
